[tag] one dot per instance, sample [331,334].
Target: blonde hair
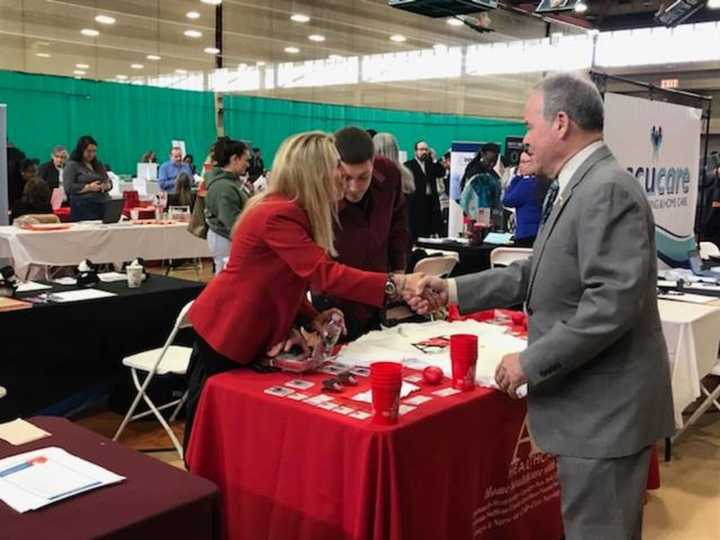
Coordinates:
[304,171]
[386,145]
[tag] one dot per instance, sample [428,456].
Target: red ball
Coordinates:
[432,375]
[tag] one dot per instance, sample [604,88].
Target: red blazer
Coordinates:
[373,235]
[252,304]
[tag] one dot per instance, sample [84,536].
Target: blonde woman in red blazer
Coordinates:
[282,245]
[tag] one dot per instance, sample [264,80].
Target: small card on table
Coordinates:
[446,392]
[299,384]
[278,391]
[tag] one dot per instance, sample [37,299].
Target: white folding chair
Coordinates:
[505,256]
[711,398]
[708,249]
[3,392]
[437,266]
[168,359]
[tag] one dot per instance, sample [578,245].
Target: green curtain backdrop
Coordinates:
[125,119]
[267,122]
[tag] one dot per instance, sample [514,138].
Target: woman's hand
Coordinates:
[326,316]
[292,340]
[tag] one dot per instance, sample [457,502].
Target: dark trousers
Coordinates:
[85,209]
[204,363]
[524,242]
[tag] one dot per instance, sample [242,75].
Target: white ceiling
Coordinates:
[259,31]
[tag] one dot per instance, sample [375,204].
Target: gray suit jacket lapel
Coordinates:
[539,247]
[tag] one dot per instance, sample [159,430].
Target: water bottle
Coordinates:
[331,333]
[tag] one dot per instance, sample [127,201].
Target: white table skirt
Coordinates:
[692,334]
[99,243]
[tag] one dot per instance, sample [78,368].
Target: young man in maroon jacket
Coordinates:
[372,234]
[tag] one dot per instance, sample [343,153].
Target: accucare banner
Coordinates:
[461,153]
[659,144]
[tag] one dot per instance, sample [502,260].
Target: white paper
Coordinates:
[19,432]
[83,294]
[61,476]
[686,297]
[498,238]
[110,277]
[31,286]
[65,281]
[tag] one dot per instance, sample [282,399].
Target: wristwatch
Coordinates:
[390,287]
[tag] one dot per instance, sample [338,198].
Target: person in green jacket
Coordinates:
[226,195]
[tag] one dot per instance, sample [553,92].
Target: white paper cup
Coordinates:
[134,214]
[134,276]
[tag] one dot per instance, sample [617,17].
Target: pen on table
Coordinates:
[22,466]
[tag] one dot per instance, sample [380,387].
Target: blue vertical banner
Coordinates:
[461,153]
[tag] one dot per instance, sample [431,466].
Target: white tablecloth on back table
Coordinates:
[99,243]
[692,334]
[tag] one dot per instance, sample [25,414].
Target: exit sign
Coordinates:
[669,83]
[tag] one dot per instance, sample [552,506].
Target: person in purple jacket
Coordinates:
[525,194]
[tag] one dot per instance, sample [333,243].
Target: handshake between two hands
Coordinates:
[424,294]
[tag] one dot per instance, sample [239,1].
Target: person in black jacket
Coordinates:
[424,204]
[15,156]
[35,199]
[51,171]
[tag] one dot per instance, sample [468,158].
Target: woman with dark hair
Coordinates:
[183,195]
[86,181]
[149,157]
[226,195]
[35,199]
[189,161]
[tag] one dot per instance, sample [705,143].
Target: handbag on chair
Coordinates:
[198,225]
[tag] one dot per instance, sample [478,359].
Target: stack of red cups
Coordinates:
[385,383]
[463,353]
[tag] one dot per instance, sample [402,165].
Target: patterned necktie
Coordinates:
[549,202]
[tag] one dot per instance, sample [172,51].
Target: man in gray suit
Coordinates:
[596,364]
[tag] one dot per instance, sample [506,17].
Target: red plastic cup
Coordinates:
[385,383]
[463,354]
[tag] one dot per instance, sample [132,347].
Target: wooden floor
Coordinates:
[686,507]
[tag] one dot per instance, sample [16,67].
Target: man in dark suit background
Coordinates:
[372,231]
[51,171]
[424,204]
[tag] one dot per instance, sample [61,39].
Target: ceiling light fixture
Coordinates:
[260,64]
[211,50]
[121,77]
[82,66]
[713,4]
[105,19]
[292,50]
[212,2]
[454,22]
[580,7]
[181,71]
[398,38]
[154,57]
[43,55]
[299,17]
[90,32]
[79,72]
[335,57]
[192,15]
[193,34]
[316,37]
[137,66]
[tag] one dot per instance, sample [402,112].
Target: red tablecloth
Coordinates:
[455,468]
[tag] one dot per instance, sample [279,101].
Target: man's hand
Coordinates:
[509,375]
[284,346]
[430,294]
[323,318]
